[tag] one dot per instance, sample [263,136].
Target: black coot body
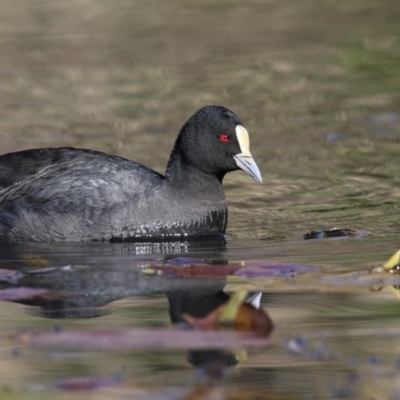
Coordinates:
[67,194]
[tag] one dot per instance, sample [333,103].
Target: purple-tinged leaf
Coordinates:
[271,269]
[21,293]
[88,383]
[10,275]
[138,338]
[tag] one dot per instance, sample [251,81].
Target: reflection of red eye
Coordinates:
[224,138]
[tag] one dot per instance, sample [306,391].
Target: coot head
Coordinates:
[215,142]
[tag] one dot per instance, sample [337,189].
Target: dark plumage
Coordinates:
[66,194]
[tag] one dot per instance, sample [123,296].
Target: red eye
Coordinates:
[224,138]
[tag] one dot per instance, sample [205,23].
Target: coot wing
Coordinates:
[19,165]
[65,192]
[64,162]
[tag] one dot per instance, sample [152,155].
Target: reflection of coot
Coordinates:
[64,308]
[199,302]
[83,278]
[65,194]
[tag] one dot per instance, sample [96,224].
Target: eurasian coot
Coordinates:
[67,194]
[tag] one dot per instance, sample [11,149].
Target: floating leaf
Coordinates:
[140,338]
[235,314]
[10,275]
[216,392]
[393,261]
[246,269]
[371,279]
[21,293]
[395,290]
[35,261]
[249,318]
[87,383]
[392,265]
[230,310]
[192,271]
[209,322]
[43,270]
[271,269]
[334,233]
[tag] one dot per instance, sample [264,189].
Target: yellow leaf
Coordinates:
[228,315]
[393,261]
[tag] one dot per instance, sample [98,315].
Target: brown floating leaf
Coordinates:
[137,338]
[35,261]
[246,269]
[21,293]
[334,233]
[249,318]
[235,314]
[193,270]
[209,322]
[206,392]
